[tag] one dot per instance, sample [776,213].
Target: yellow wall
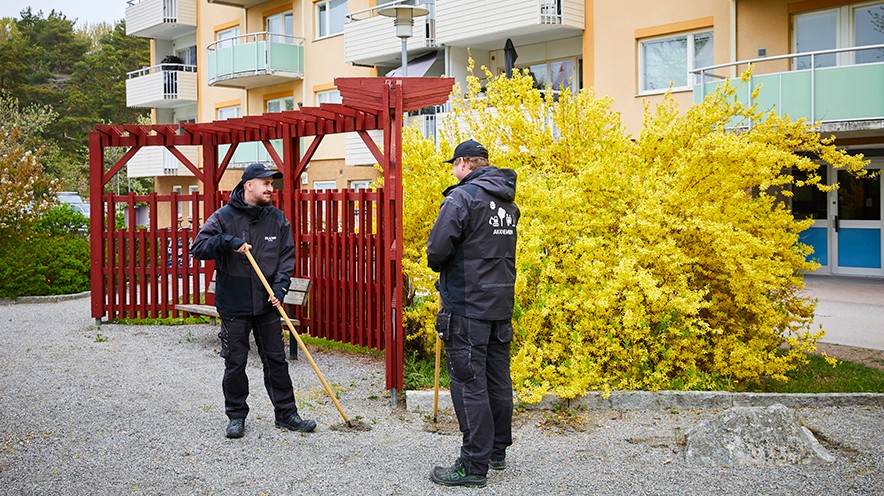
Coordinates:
[614,63]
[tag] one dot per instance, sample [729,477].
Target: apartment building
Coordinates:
[803,54]
[219,59]
[805,59]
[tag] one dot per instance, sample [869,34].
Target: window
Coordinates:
[842,27]
[665,61]
[324,185]
[228,112]
[280,24]
[181,205]
[280,104]
[360,185]
[187,55]
[330,96]
[556,74]
[228,37]
[330,16]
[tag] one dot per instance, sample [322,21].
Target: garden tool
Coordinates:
[301,345]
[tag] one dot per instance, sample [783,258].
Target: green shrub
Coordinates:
[44,265]
[61,220]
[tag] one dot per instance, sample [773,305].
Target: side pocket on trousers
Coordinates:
[505,331]
[225,350]
[443,325]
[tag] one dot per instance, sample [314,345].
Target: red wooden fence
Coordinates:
[349,243]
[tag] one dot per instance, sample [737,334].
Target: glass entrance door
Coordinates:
[856,226]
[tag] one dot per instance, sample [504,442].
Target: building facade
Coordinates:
[246,57]
[805,60]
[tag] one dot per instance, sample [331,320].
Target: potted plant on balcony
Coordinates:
[172,59]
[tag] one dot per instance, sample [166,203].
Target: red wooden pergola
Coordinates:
[349,243]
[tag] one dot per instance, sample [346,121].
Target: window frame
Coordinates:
[690,59]
[324,26]
[328,96]
[845,32]
[282,103]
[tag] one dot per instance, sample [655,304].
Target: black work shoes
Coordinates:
[296,423]
[456,475]
[497,464]
[236,427]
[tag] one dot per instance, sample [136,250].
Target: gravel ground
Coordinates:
[139,410]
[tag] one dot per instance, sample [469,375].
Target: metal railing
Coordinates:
[144,71]
[702,75]
[551,11]
[228,51]
[170,9]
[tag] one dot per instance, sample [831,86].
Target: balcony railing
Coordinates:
[152,161]
[255,59]
[845,84]
[160,19]
[485,24]
[370,39]
[162,86]
[250,152]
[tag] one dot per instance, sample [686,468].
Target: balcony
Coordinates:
[255,59]
[484,25]
[847,98]
[370,39]
[160,19]
[249,153]
[162,86]
[152,161]
[238,3]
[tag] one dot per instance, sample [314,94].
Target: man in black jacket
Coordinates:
[473,247]
[250,222]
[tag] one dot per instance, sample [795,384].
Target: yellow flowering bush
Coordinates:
[666,261]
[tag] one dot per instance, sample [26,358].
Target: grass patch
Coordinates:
[326,344]
[817,376]
[419,372]
[169,321]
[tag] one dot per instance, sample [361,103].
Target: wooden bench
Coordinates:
[297,295]
[198,309]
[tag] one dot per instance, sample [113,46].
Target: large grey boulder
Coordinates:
[765,436]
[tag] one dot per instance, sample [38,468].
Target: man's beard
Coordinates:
[262,201]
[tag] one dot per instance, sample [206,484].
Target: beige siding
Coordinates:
[374,39]
[143,15]
[187,12]
[573,13]
[460,20]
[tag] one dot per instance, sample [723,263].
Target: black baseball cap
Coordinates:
[469,148]
[259,170]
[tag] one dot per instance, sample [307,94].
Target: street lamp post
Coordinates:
[403,19]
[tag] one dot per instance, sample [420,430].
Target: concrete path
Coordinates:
[850,309]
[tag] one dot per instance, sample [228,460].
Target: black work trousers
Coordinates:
[235,350]
[478,354]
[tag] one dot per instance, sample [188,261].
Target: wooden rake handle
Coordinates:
[301,345]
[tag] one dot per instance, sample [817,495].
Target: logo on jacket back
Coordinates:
[501,220]
[270,238]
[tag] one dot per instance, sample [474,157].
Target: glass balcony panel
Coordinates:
[251,60]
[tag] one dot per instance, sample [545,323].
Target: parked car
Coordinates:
[73,199]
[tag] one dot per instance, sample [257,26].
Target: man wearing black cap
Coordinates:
[473,247]
[250,222]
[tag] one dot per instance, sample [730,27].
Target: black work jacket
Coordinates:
[238,290]
[473,245]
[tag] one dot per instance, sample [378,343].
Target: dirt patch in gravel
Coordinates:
[863,356]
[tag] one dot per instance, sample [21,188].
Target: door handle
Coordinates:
[837,224]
